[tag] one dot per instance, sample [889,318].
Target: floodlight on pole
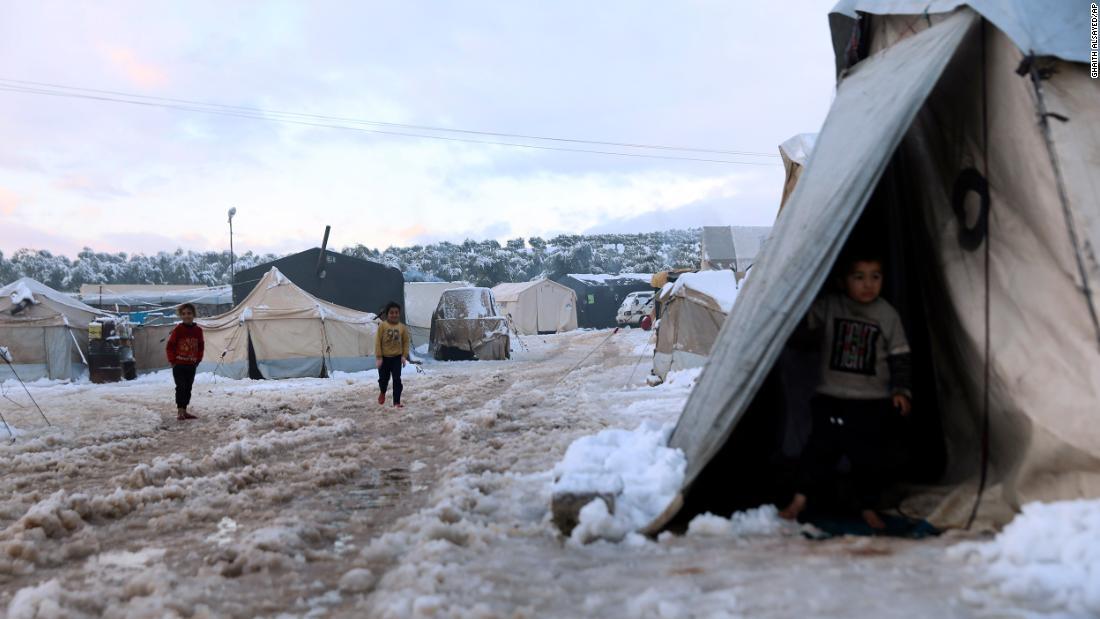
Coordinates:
[232,260]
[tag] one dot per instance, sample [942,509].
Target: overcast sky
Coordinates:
[118,177]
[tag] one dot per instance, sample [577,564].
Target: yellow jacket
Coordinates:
[391,340]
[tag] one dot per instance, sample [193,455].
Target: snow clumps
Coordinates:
[1047,559]
[636,467]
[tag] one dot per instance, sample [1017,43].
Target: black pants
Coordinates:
[852,428]
[184,376]
[391,366]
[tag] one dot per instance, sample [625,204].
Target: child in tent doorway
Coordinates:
[185,350]
[865,376]
[391,351]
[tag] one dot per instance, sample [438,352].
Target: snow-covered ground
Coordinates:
[305,498]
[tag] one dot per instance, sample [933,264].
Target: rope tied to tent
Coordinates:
[984,459]
[640,357]
[7,359]
[598,346]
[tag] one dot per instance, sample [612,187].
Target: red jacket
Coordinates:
[185,345]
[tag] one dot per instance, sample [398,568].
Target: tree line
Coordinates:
[483,263]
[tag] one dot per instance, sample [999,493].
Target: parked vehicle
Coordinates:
[634,307]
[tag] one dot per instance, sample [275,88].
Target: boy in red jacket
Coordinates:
[185,349]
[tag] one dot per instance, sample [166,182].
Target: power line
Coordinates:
[385,124]
[296,118]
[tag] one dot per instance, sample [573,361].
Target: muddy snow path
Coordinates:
[257,509]
[305,498]
[484,546]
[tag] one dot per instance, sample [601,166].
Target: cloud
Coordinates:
[143,74]
[89,187]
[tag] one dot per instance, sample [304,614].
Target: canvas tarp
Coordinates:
[947,85]
[795,153]
[291,333]
[421,299]
[874,106]
[47,339]
[693,309]
[540,306]
[149,346]
[466,324]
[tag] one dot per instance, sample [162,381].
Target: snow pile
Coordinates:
[636,467]
[718,285]
[20,293]
[601,279]
[763,521]
[1047,559]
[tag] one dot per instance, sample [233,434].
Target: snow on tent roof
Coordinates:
[37,288]
[156,295]
[798,148]
[718,285]
[603,279]
[1042,28]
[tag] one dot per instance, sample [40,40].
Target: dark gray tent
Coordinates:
[964,140]
[347,281]
[600,295]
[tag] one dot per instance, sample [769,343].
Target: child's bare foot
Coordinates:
[872,519]
[183,415]
[794,508]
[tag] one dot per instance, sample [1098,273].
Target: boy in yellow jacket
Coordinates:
[391,351]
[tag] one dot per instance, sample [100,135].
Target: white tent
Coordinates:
[539,306]
[941,145]
[290,333]
[46,331]
[693,309]
[421,299]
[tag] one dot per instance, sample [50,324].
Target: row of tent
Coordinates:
[281,331]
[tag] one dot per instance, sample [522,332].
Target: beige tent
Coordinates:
[795,152]
[149,344]
[290,333]
[421,299]
[540,306]
[466,325]
[45,331]
[964,143]
[693,309]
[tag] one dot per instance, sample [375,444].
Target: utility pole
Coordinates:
[232,260]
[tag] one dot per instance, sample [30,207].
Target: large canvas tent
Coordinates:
[347,281]
[599,295]
[539,306]
[421,299]
[282,331]
[46,331]
[693,309]
[940,148]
